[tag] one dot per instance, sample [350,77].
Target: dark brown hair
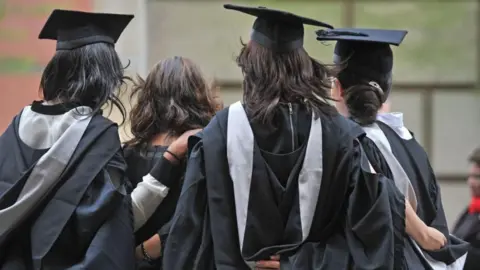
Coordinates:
[91,75]
[363,102]
[271,77]
[173,99]
[216,98]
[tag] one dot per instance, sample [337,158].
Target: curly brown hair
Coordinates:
[271,77]
[173,99]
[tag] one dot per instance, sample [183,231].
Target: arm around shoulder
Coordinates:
[189,237]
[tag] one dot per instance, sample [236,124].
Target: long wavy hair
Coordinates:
[270,78]
[91,75]
[173,99]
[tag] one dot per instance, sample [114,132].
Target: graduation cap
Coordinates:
[73,29]
[366,52]
[277,30]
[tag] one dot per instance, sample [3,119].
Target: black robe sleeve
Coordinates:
[455,247]
[188,244]
[166,172]
[375,216]
[104,220]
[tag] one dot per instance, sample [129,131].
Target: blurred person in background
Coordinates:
[467,226]
[362,86]
[173,100]
[280,174]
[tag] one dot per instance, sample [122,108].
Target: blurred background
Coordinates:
[436,73]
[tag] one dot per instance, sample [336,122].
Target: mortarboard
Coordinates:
[277,30]
[73,29]
[367,52]
[383,36]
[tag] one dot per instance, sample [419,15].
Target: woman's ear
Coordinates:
[40,94]
[337,90]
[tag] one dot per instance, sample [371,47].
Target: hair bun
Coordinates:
[377,89]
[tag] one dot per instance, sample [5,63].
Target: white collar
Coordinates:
[395,121]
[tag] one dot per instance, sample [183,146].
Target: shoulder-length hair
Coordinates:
[91,75]
[173,99]
[270,78]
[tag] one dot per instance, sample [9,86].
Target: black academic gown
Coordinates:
[414,161]
[140,162]
[467,228]
[85,222]
[355,217]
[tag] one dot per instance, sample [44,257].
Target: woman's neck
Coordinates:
[342,109]
[162,139]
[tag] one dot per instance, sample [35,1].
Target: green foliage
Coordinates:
[17,65]
[441,44]
[3,8]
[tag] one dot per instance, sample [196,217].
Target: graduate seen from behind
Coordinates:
[280,173]
[174,99]
[361,87]
[63,195]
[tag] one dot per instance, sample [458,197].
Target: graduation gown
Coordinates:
[69,170]
[302,189]
[139,163]
[394,152]
[467,228]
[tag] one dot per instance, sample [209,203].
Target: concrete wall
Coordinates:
[132,46]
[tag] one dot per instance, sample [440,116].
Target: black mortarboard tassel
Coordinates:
[277,30]
[73,29]
[365,52]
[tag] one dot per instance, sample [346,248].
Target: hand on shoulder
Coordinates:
[179,147]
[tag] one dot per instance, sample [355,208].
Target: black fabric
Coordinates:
[140,163]
[86,221]
[73,29]
[416,165]
[165,172]
[467,228]
[380,165]
[286,137]
[278,30]
[56,109]
[366,35]
[267,42]
[353,221]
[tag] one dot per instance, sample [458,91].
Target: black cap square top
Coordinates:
[278,30]
[73,29]
[383,36]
